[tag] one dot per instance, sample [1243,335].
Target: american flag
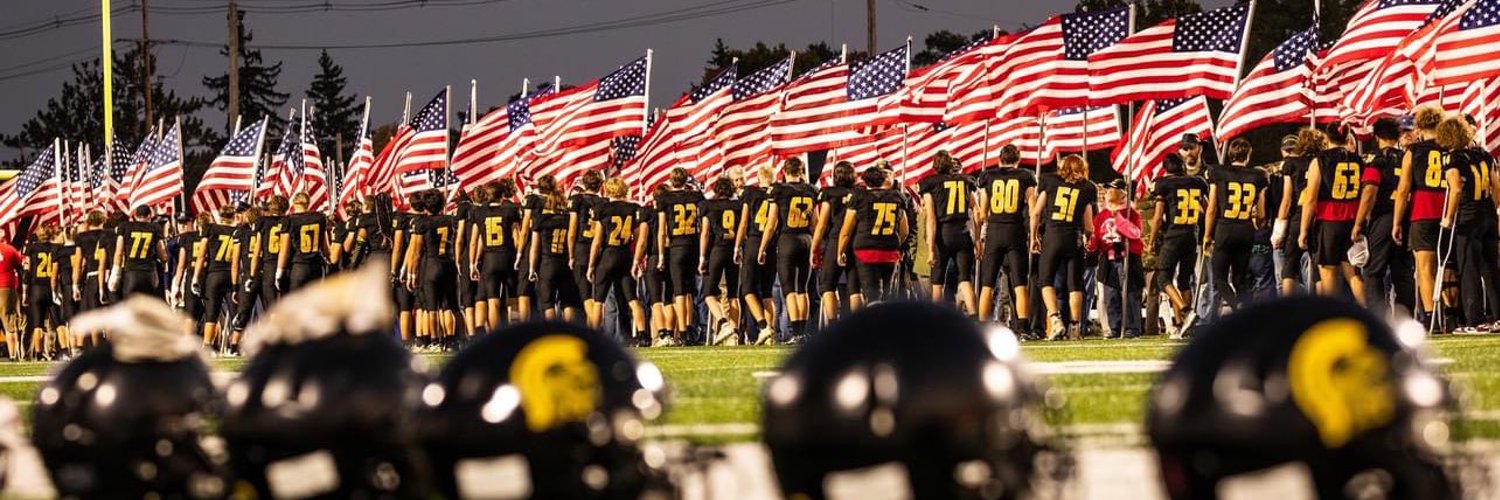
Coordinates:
[1482,100]
[232,171]
[112,176]
[314,178]
[1074,130]
[1055,71]
[975,88]
[281,175]
[413,182]
[881,144]
[381,177]
[1465,48]
[1275,90]
[1156,133]
[1373,31]
[161,179]
[427,148]
[82,171]
[65,184]
[133,169]
[835,104]
[35,191]
[1197,54]
[625,150]
[574,127]
[686,133]
[352,187]
[487,147]
[743,131]
[1393,85]
[925,96]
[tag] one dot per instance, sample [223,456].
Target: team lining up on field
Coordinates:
[497,259]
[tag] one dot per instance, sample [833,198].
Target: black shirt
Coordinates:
[950,196]
[93,253]
[1236,192]
[271,233]
[220,247]
[39,258]
[647,216]
[1295,168]
[552,233]
[794,206]
[836,197]
[193,243]
[1427,163]
[583,206]
[1184,196]
[437,233]
[495,225]
[758,201]
[723,218]
[618,221]
[1006,188]
[1384,172]
[681,209]
[876,215]
[141,240]
[1339,171]
[307,230]
[1475,205]
[1066,202]
[63,256]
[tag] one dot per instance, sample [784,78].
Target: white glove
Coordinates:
[114,280]
[1278,232]
[279,274]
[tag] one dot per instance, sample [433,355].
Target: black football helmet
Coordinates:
[543,410]
[126,419]
[912,396]
[1306,389]
[323,407]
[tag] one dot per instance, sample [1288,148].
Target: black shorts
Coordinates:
[581,271]
[721,271]
[554,283]
[953,244]
[755,278]
[215,288]
[465,287]
[658,291]
[1061,252]
[39,307]
[1333,242]
[877,282]
[792,266]
[1291,252]
[497,275]
[435,286]
[139,282]
[69,307]
[1424,236]
[831,271]
[1178,255]
[682,269]
[1005,248]
[91,299]
[526,287]
[613,273]
[304,273]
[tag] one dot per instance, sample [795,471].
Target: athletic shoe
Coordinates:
[1055,326]
[726,332]
[1075,332]
[767,336]
[797,339]
[666,342]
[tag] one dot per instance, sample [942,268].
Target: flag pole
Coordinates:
[646,112]
[108,62]
[1312,113]
[473,101]
[447,117]
[525,86]
[406,110]
[182,159]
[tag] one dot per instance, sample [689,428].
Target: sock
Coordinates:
[763,324]
[798,325]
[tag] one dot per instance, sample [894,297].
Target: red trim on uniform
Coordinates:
[877,256]
[1427,205]
[1336,211]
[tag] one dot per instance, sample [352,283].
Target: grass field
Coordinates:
[715,390]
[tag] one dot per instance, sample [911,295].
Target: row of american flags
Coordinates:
[1054,89]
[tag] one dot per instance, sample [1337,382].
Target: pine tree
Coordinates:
[333,114]
[762,56]
[258,95]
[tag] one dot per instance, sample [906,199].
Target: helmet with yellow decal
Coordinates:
[1304,390]
[542,410]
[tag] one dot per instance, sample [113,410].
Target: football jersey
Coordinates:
[1295,168]
[220,247]
[1066,202]
[93,252]
[681,209]
[307,231]
[1006,189]
[193,243]
[39,258]
[1384,172]
[583,206]
[1237,190]
[876,215]
[723,217]
[1185,196]
[647,216]
[271,233]
[950,195]
[63,256]
[495,226]
[757,201]
[1475,204]
[141,240]
[552,233]
[438,232]
[618,221]
[794,206]
[1338,184]
[835,197]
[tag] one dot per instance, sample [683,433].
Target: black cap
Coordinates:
[1190,140]
[1116,184]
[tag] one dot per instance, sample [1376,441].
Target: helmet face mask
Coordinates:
[951,416]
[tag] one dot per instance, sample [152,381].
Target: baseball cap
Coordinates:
[1288,142]
[1190,140]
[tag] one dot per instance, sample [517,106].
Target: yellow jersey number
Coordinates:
[1065,205]
[958,198]
[1481,180]
[885,219]
[559,242]
[1345,181]
[1005,197]
[1241,201]
[1189,207]
[43,266]
[226,248]
[727,221]
[1433,176]
[799,212]
[494,231]
[140,245]
[275,244]
[684,219]
[442,233]
[623,232]
[308,238]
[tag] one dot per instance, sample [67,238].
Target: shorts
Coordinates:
[1005,248]
[1061,252]
[792,266]
[39,307]
[554,284]
[215,288]
[1424,235]
[526,287]
[465,287]
[682,269]
[304,273]
[1333,242]
[435,286]
[91,299]
[1291,252]
[1177,257]
[831,271]
[755,278]
[721,271]
[581,270]
[497,275]
[658,290]
[956,245]
[69,307]
[613,273]
[139,282]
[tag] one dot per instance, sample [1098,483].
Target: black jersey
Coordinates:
[378,237]
[1427,163]
[723,218]
[141,239]
[836,197]
[1384,172]
[220,246]
[271,234]
[618,221]
[193,243]
[794,206]
[1475,204]
[876,214]
[1066,202]
[1236,192]
[1006,188]
[647,216]
[438,232]
[307,230]
[93,251]
[535,205]
[1295,168]
[552,233]
[681,209]
[583,206]
[1338,175]
[758,202]
[248,240]
[63,256]
[39,256]
[495,225]
[1184,196]
[950,195]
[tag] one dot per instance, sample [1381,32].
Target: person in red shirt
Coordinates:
[1333,191]
[1116,240]
[10,282]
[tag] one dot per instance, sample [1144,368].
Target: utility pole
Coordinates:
[234,61]
[870,25]
[146,50]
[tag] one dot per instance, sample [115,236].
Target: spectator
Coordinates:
[1117,244]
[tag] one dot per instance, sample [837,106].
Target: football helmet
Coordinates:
[1310,390]
[127,419]
[323,407]
[543,410]
[911,397]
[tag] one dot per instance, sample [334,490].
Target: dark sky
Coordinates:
[681,47]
